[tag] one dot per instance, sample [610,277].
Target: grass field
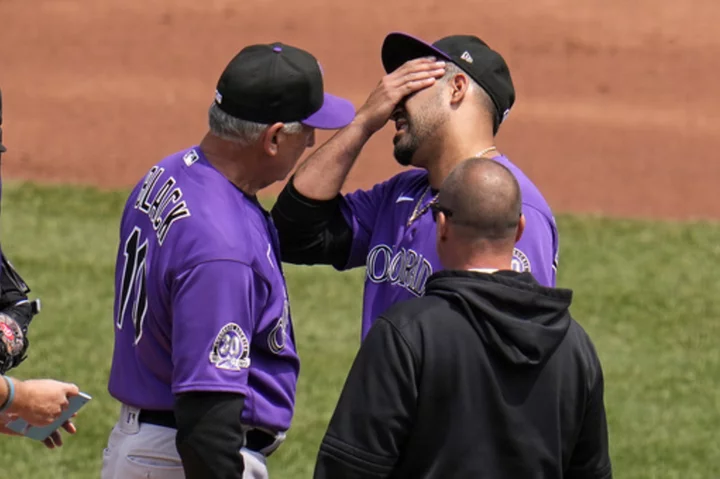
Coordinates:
[648,293]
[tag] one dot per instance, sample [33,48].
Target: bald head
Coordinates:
[483,198]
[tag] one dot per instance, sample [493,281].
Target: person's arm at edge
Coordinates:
[207,441]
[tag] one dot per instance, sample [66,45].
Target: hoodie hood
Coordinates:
[513,315]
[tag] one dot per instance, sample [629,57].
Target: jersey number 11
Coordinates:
[133,283]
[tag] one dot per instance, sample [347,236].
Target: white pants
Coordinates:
[147,451]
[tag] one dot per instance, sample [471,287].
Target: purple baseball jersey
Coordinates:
[399,259]
[200,297]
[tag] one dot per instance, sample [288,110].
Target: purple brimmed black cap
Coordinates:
[271,83]
[483,64]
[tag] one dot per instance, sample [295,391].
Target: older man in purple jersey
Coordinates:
[439,121]
[204,362]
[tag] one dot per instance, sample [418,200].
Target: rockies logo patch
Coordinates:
[231,349]
[520,262]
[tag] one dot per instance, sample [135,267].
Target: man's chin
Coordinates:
[403,157]
[403,153]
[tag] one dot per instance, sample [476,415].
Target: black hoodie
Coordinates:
[486,376]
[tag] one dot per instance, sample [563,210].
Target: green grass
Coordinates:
[647,292]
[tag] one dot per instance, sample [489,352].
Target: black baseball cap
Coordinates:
[483,64]
[2,148]
[268,83]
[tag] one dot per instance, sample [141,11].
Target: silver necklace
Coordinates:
[418,212]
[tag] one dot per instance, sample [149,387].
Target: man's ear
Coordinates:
[271,139]
[460,84]
[520,228]
[442,227]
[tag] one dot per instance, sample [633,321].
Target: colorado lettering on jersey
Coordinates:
[278,335]
[406,268]
[164,209]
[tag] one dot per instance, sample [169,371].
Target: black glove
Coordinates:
[13,336]
[16,313]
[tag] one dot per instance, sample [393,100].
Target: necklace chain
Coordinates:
[418,212]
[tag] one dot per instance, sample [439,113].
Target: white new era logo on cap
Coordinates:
[218,97]
[466,56]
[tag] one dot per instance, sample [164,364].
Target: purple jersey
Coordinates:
[200,297]
[399,259]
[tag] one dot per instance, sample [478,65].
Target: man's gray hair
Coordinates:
[451,70]
[240,131]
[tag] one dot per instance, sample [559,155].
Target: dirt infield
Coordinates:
[617,110]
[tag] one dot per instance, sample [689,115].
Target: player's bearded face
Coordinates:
[416,120]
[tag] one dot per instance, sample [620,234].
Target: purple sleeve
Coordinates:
[537,248]
[215,308]
[360,209]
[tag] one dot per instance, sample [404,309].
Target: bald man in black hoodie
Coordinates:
[486,376]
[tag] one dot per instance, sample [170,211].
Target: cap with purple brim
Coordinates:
[270,83]
[399,48]
[483,64]
[334,113]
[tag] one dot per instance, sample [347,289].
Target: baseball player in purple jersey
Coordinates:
[447,101]
[204,362]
